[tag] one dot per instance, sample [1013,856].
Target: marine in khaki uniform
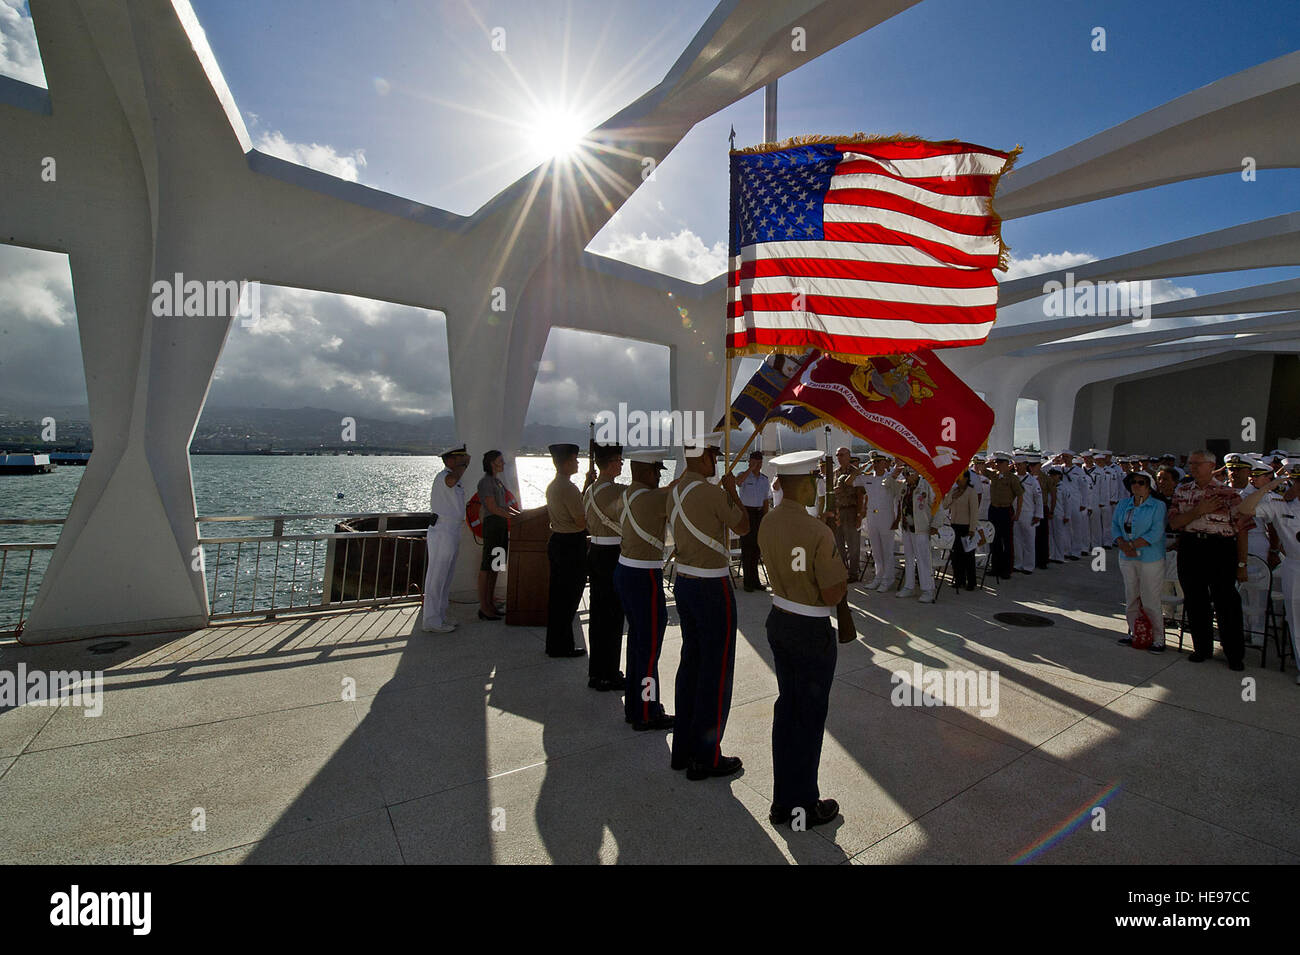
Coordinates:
[639,581]
[808,579]
[700,514]
[567,551]
[848,498]
[605,620]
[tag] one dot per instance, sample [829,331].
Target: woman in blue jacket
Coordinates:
[1138,529]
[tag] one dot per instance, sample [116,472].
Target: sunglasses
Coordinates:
[1140,483]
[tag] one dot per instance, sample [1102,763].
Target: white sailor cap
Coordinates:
[1021,459]
[646,456]
[457,448]
[1033,459]
[1169,454]
[1000,456]
[795,462]
[1235,459]
[696,446]
[1277,453]
[1103,453]
[1257,464]
[1290,466]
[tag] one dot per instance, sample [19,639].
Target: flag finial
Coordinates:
[732,137]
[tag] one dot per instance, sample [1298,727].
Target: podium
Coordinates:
[528,569]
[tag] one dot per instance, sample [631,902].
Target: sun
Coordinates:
[556,134]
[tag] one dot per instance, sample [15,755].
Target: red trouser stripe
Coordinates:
[722,678]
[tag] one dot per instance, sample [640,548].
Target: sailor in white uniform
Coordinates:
[1108,491]
[1060,530]
[882,511]
[1284,516]
[1254,599]
[1031,513]
[447,503]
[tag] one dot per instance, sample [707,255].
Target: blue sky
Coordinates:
[410,97]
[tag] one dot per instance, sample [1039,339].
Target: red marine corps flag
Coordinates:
[911,406]
[863,246]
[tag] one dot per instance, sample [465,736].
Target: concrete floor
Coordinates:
[476,747]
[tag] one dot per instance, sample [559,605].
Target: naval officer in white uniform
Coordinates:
[1284,515]
[447,503]
[881,505]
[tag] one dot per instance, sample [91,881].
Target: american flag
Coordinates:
[864,248]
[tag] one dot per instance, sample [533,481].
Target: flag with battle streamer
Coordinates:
[910,406]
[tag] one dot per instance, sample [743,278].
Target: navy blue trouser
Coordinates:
[707,608]
[803,653]
[568,557]
[641,590]
[605,620]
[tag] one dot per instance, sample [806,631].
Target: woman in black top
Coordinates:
[496,533]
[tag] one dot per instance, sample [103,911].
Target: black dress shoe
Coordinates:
[1156,649]
[483,616]
[818,815]
[823,812]
[663,721]
[1198,658]
[1236,665]
[727,765]
[1125,640]
[678,764]
[575,652]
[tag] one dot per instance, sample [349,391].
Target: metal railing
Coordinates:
[22,568]
[279,571]
[267,572]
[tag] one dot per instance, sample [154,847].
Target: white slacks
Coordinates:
[916,557]
[1288,573]
[442,548]
[1143,581]
[1079,533]
[1023,530]
[880,538]
[1057,538]
[1094,529]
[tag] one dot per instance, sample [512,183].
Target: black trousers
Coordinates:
[641,591]
[963,560]
[803,655]
[1002,550]
[1040,542]
[749,549]
[1207,571]
[605,622]
[568,556]
[706,607]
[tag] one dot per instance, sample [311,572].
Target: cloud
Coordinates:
[682,255]
[582,373]
[19,55]
[353,355]
[315,156]
[1037,264]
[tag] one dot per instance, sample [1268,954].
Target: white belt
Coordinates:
[640,564]
[607,541]
[690,571]
[804,610]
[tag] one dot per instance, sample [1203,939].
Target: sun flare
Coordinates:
[556,134]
